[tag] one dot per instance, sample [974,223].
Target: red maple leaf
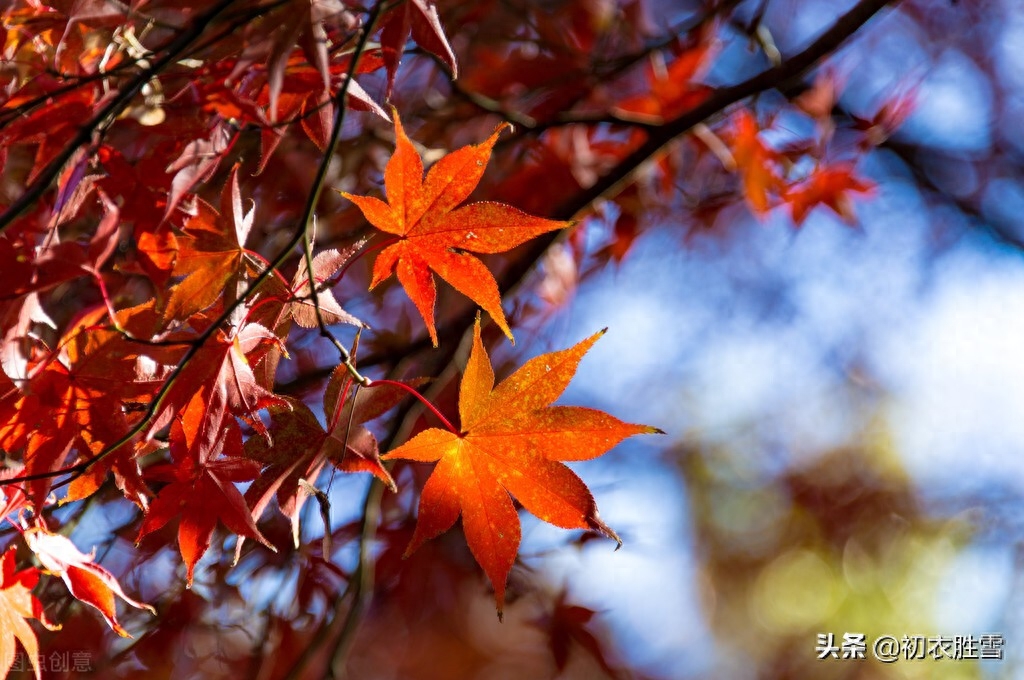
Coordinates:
[217,382]
[302,447]
[87,581]
[420,18]
[567,624]
[830,186]
[671,87]
[201,492]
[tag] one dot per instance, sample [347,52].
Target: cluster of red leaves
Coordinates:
[778,176]
[162,381]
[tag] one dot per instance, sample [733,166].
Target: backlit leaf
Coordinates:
[87,581]
[436,237]
[17,603]
[510,445]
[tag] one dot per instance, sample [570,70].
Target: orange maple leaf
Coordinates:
[672,90]
[211,254]
[756,162]
[433,236]
[17,603]
[510,443]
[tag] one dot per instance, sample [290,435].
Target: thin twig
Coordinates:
[362,582]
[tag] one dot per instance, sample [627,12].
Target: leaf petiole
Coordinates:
[423,400]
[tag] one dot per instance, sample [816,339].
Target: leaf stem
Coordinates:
[423,400]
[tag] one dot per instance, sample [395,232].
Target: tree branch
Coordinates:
[773,78]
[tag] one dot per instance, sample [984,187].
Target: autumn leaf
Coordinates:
[889,117]
[511,442]
[434,235]
[419,18]
[304,27]
[828,186]
[87,581]
[325,265]
[201,492]
[302,100]
[819,100]
[671,90]
[12,498]
[220,379]
[17,603]
[75,393]
[212,254]
[301,450]
[567,624]
[49,127]
[30,269]
[197,163]
[756,163]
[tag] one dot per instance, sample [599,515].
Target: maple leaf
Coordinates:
[829,186]
[216,383]
[12,498]
[819,100]
[672,90]
[212,254]
[17,603]
[50,127]
[566,624]
[755,162]
[420,18]
[87,581]
[202,491]
[301,450]
[433,234]
[77,392]
[197,163]
[325,265]
[30,269]
[511,442]
[889,117]
[304,27]
[313,108]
